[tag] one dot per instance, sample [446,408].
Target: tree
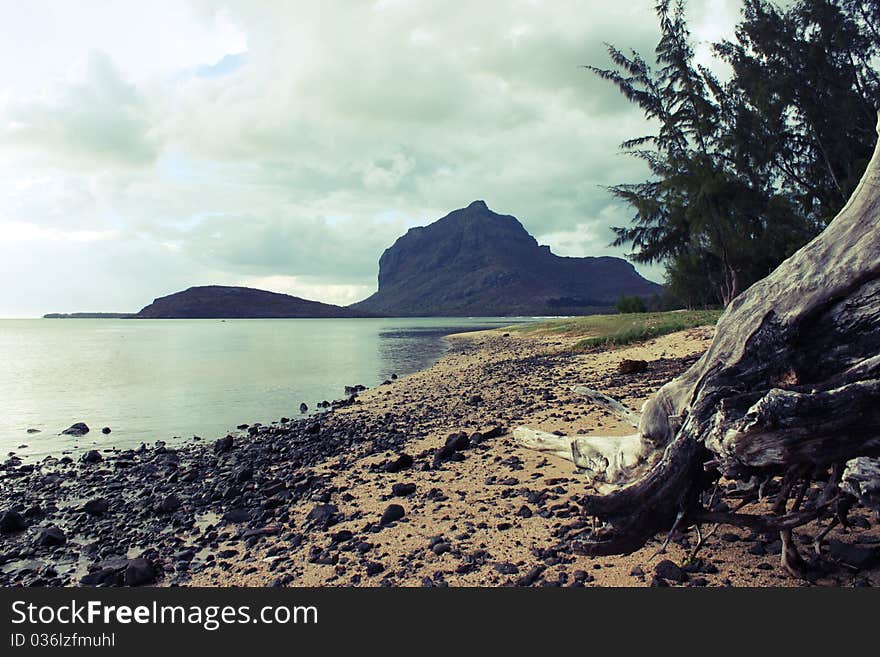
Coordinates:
[744,172]
[630,305]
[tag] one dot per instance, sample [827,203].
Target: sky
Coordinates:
[146,147]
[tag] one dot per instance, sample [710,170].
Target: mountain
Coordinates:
[474,261]
[222,302]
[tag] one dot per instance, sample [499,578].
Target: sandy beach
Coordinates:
[495,517]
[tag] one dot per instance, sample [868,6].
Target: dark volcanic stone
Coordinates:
[854,556]
[237,515]
[458,441]
[393,513]
[323,515]
[169,504]
[78,429]
[97,506]
[103,577]
[11,521]
[402,490]
[92,456]
[223,444]
[373,568]
[106,430]
[667,570]
[51,537]
[628,366]
[138,572]
[402,462]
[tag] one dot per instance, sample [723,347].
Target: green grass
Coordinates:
[615,330]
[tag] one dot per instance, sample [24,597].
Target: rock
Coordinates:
[323,516]
[458,441]
[303,408]
[341,536]
[373,568]
[33,430]
[223,444]
[169,504]
[12,521]
[97,506]
[106,430]
[402,490]
[524,512]
[237,516]
[51,537]
[92,456]
[441,548]
[78,429]
[667,570]
[475,400]
[532,576]
[854,556]
[506,568]
[138,572]
[103,577]
[402,462]
[628,366]
[393,513]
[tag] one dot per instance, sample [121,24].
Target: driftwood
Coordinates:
[786,398]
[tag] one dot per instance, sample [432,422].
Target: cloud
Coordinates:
[287,144]
[100,119]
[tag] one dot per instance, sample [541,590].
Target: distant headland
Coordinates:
[471,262]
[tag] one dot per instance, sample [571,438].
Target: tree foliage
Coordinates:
[744,171]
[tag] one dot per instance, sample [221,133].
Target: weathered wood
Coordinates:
[790,383]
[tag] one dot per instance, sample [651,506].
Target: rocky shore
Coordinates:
[414,483]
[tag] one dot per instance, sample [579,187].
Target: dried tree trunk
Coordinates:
[790,385]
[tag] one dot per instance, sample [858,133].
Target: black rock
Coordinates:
[458,441]
[341,536]
[854,556]
[402,490]
[393,513]
[169,504]
[524,512]
[106,430]
[78,429]
[103,577]
[373,568]
[92,456]
[51,537]
[138,572]
[97,506]
[531,577]
[11,521]
[303,408]
[402,462]
[323,516]
[667,570]
[223,444]
[441,548]
[237,515]
[506,568]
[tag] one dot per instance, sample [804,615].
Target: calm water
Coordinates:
[172,379]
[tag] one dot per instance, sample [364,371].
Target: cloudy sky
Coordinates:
[149,146]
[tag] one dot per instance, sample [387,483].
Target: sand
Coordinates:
[520,380]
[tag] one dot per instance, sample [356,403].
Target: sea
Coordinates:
[173,380]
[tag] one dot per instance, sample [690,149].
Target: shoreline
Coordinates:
[302,504]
